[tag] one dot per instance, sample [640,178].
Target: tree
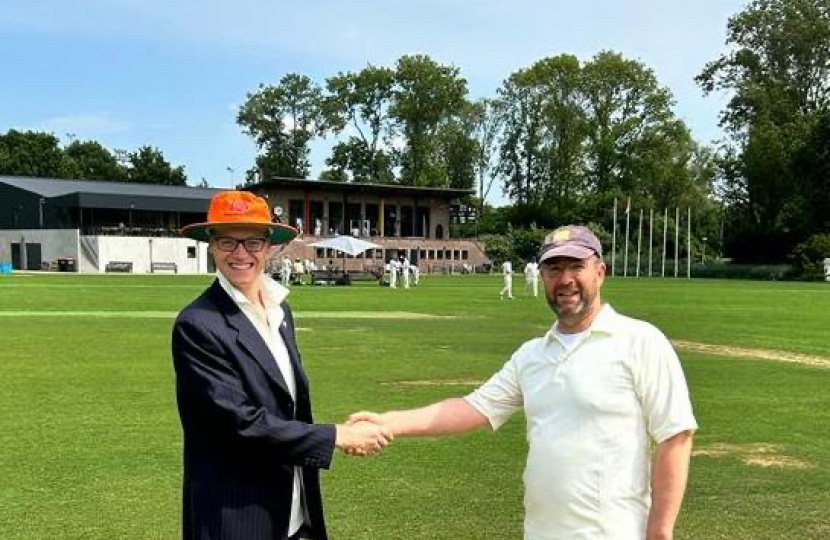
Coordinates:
[627,112]
[361,101]
[778,72]
[778,64]
[456,151]
[486,125]
[148,166]
[575,136]
[91,161]
[543,117]
[282,119]
[30,153]
[426,93]
[353,157]
[811,165]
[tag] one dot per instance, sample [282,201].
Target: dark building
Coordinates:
[95,207]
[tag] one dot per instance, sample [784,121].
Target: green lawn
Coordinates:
[90,441]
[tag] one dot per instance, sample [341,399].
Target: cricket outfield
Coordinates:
[90,441]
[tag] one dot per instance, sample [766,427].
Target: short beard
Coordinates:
[578,311]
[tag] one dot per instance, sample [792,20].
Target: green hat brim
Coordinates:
[278,233]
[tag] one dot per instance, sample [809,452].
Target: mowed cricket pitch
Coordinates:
[91,445]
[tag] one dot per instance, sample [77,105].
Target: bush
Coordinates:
[720,270]
[517,245]
[808,257]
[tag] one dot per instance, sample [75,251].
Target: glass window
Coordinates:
[407,221]
[315,216]
[296,210]
[335,217]
[389,217]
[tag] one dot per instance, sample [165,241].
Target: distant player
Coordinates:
[532,277]
[405,268]
[507,272]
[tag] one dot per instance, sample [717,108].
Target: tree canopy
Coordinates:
[772,167]
[31,153]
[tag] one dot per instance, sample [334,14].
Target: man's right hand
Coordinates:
[362,438]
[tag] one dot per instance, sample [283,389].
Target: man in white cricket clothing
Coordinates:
[507,273]
[532,277]
[597,389]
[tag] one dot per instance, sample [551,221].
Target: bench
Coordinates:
[119,266]
[169,266]
[363,275]
[326,277]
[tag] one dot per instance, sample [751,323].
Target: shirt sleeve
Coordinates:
[661,388]
[500,396]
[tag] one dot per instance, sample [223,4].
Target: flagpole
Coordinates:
[665,231]
[650,237]
[689,245]
[639,241]
[676,240]
[627,222]
[614,241]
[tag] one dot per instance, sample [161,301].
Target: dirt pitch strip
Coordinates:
[757,454]
[761,354]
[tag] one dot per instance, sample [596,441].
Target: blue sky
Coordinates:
[171,73]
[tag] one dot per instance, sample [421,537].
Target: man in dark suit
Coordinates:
[251,450]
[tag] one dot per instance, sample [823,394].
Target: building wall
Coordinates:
[141,251]
[19,209]
[54,243]
[92,253]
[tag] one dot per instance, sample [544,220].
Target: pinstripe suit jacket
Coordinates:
[242,437]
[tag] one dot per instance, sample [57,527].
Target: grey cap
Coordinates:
[572,241]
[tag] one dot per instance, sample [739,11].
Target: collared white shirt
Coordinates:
[267,323]
[592,412]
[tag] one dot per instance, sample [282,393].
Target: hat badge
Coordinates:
[562,235]
[239,207]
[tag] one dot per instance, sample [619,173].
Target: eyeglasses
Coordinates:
[228,244]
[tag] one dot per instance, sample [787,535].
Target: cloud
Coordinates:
[81,126]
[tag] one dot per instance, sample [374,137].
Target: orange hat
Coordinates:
[239,208]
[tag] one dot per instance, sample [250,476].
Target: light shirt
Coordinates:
[592,413]
[569,341]
[531,271]
[507,268]
[267,323]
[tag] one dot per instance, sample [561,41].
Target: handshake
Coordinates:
[364,434]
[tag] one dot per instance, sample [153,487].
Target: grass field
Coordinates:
[90,441]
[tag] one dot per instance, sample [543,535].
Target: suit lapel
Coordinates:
[248,337]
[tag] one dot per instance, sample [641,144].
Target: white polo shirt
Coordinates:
[592,412]
[267,323]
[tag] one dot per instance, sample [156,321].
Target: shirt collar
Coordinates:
[605,322]
[273,292]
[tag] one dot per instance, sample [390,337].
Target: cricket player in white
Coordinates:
[532,277]
[405,272]
[507,272]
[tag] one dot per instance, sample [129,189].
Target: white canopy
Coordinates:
[346,244]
